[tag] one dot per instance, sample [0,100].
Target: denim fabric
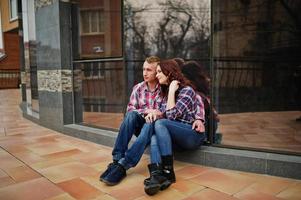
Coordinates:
[135,152]
[169,132]
[133,123]
[154,150]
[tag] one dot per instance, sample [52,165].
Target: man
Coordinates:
[145,99]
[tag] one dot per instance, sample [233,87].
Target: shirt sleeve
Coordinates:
[133,104]
[200,110]
[183,103]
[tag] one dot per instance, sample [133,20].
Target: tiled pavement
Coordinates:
[38,163]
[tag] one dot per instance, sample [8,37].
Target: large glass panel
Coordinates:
[96,29]
[99,93]
[257,73]
[167,29]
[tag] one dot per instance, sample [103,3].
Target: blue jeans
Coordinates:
[169,133]
[133,123]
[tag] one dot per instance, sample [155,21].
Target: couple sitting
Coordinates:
[165,112]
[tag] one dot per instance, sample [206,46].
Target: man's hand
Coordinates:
[158,113]
[150,117]
[198,126]
[153,115]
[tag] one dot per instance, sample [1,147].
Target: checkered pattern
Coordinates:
[142,98]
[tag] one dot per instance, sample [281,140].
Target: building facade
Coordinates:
[9,45]
[82,58]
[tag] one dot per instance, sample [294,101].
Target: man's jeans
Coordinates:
[169,134]
[133,123]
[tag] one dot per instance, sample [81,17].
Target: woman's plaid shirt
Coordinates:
[188,108]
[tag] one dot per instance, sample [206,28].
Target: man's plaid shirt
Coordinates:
[142,98]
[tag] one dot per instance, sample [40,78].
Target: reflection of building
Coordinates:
[9,45]
[96,30]
[256,43]
[89,54]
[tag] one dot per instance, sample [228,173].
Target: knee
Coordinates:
[132,115]
[159,124]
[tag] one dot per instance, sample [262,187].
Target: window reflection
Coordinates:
[99,93]
[256,65]
[98,25]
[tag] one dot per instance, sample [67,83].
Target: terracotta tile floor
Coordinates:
[39,163]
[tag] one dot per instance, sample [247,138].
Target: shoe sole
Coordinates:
[111,183]
[155,188]
[152,189]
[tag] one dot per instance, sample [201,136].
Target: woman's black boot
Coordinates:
[167,165]
[157,180]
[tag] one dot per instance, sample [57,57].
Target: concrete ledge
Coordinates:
[243,160]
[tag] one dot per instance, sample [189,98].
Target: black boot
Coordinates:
[167,165]
[157,180]
[168,171]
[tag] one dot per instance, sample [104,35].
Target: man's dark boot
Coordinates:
[168,171]
[157,180]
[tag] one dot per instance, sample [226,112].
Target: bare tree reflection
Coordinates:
[167,29]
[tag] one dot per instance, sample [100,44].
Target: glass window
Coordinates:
[99,93]
[13,9]
[97,29]
[257,73]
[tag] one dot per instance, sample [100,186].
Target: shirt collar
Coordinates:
[148,90]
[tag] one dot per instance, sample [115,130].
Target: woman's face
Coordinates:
[162,78]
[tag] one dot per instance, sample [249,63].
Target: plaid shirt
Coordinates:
[200,108]
[142,98]
[186,107]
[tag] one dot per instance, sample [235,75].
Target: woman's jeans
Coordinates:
[133,123]
[169,134]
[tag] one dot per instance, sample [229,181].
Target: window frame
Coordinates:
[11,17]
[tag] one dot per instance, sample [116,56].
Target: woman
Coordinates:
[180,108]
[196,74]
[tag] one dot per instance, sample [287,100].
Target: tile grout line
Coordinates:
[29,167]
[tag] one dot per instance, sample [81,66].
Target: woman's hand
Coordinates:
[198,126]
[171,99]
[174,86]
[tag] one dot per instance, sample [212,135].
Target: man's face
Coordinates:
[149,71]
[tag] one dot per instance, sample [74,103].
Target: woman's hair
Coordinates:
[180,62]
[171,69]
[196,74]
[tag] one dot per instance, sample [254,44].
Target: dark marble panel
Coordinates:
[284,165]
[51,109]
[195,156]
[23,92]
[284,168]
[47,16]
[91,134]
[65,35]
[78,107]
[48,48]
[67,107]
[234,162]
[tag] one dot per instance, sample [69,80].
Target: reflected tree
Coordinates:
[167,29]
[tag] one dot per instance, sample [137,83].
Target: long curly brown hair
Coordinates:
[171,69]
